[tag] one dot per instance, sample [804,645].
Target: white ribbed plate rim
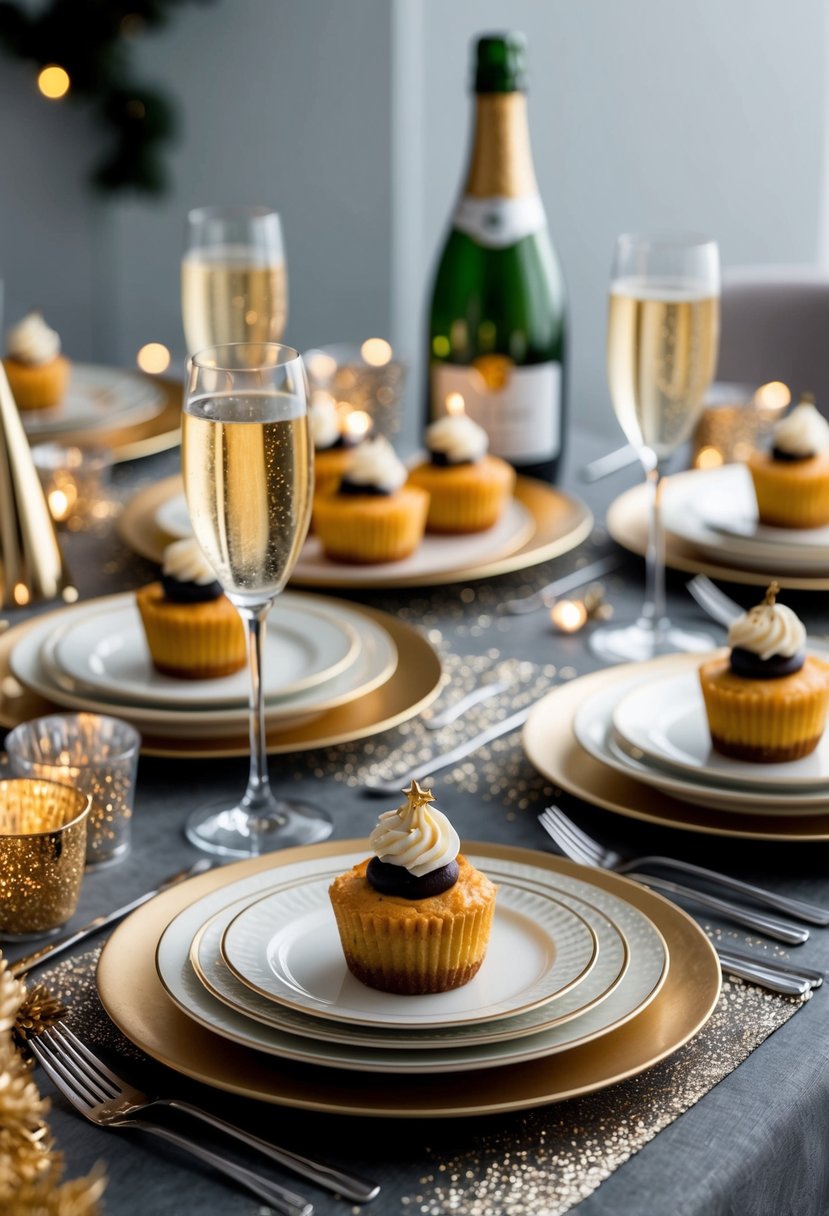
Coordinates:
[604,977]
[286,947]
[665,720]
[640,984]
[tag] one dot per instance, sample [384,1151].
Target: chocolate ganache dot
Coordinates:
[751,667]
[388,879]
[189,593]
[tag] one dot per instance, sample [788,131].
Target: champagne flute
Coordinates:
[247,459]
[662,345]
[234,286]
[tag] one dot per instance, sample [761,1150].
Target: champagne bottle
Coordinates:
[497,325]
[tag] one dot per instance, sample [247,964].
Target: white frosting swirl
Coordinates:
[804,432]
[375,463]
[767,630]
[325,428]
[416,836]
[458,438]
[185,562]
[32,340]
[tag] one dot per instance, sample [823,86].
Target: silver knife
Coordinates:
[544,597]
[391,788]
[107,918]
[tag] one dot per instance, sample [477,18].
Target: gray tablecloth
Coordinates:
[755,1144]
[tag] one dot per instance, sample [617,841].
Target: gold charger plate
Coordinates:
[627,523]
[551,746]
[135,999]
[412,686]
[146,438]
[561,523]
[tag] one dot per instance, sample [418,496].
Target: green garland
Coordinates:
[91,40]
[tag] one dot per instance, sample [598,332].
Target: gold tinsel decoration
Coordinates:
[30,1169]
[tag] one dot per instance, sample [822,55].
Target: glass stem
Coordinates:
[258,793]
[653,609]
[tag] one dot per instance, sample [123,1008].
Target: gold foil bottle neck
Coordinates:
[501,165]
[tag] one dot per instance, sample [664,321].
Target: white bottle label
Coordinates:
[498,222]
[518,407]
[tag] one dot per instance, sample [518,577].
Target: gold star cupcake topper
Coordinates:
[772,593]
[418,796]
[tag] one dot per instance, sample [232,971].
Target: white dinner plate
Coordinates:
[104,650]
[697,503]
[638,986]
[610,966]
[665,721]
[434,555]
[286,947]
[594,730]
[97,398]
[375,664]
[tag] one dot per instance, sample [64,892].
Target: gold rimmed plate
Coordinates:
[615,924]
[286,948]
[627,524]
[409,687]
[559,523]
[137,1002]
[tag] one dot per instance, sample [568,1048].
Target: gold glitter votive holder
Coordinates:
[364,382]
[43,829]
[93,753]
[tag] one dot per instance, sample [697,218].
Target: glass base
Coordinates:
[240,831]
[640,641]
[30,935]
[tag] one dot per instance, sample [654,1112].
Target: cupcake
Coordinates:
[193,631]
[416,916]
[766,701]
[332,445]
[468,488]
[37,372]
[372,516]
[791,483]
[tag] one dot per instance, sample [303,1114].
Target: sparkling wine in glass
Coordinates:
[247,460]
[662,346]
[234,286]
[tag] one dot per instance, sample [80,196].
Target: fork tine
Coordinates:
[564,840]
[68,1084]
[86,1059]
[577,839]
[73,1059]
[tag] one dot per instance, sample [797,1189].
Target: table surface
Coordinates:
[754,1144]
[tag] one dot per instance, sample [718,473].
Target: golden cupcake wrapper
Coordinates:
[787,498]
[38,387]
[465,499]
[372,529]
[193,646]
[417,954]
[772,728]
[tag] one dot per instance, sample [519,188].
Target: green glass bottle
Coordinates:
[498,315]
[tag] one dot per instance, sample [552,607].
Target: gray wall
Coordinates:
[709,114]
[352,117]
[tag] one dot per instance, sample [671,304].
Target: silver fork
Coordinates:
[598,855]
[106,1099]
[716,603]
[570,844]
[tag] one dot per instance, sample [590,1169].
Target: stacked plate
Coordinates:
[243,985]
[655,730]
[319,654]
[96,399]
[634,739]
[715,511]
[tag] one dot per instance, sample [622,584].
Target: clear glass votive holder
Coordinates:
[364,378]
[43,829]
[95,754]
[76,482]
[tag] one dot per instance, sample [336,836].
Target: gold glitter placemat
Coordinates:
[537,1163]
